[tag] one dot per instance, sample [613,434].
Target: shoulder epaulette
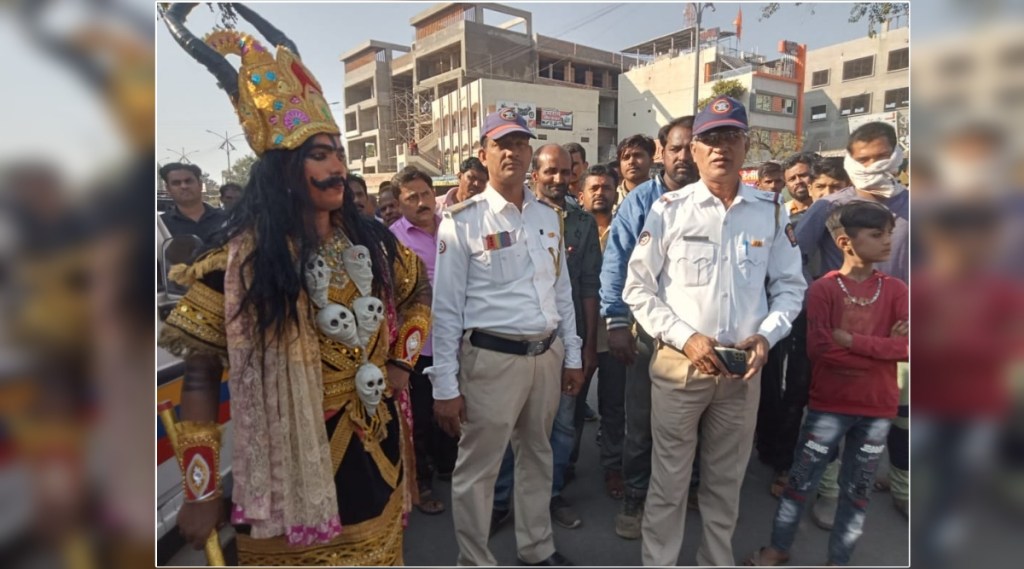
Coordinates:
[209,262]
[767,196]
[463,205]
[673,196]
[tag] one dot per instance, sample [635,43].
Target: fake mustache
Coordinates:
[328,183]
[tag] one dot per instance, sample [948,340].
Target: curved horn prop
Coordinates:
[30,13]
[227,76]
[275,36]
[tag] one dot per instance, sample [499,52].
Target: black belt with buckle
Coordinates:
[486,341]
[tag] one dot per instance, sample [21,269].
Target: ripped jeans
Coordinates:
[819,442]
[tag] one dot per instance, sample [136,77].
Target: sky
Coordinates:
[189,103]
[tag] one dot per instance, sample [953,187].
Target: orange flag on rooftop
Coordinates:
[738,23]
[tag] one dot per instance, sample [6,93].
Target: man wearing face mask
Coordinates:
[872,160]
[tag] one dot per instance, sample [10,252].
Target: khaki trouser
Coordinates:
[507,398]
[680,397]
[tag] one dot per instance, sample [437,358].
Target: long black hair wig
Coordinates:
[276,208]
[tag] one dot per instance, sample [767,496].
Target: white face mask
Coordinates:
[877,179]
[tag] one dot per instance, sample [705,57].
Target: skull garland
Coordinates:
[370,387]
[338,323]
[318,279]
[369,313]
[359,267]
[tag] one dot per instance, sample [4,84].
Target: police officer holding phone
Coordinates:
[696,282]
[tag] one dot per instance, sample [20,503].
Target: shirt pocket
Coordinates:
[508,264]
[752,263]
[693,261]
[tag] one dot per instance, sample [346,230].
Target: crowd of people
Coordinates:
[375,348]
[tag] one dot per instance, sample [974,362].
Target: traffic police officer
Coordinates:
[696,280]
[502,287]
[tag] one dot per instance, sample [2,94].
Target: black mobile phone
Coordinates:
[735,361]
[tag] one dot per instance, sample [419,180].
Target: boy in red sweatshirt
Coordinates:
[857,324]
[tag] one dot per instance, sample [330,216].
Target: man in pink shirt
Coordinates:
[472,181]
[417,229]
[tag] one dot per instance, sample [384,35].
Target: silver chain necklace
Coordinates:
[860,301]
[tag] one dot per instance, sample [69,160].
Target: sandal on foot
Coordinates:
[779,483]
[431,507]
[758,560]
[428,505]
[613,484]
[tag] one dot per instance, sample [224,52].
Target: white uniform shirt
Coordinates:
[699,268]
[509,289]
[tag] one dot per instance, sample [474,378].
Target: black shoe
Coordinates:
[555,559]
[498,519]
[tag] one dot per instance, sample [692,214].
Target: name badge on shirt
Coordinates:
[496,241]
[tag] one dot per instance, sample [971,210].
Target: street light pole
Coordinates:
[698,10]
[228,147]
[182,155]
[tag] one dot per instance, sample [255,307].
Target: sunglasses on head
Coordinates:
[722,137]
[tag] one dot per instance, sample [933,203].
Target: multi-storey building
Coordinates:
[661,88]
[850,83]
[423,104]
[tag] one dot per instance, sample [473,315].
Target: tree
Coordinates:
[876,12]
[728,87]
[239,172]
[771,144]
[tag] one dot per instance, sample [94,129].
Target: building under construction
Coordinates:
[423,104]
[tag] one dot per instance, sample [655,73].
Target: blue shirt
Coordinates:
[622,235]
[812,235]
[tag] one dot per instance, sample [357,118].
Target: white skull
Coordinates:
[369,312]
[338,324]
[370,387]
[318,279]
[359,267]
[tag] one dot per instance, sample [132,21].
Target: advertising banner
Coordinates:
[527,110]
[555,119]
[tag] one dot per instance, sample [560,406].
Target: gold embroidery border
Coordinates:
[377,541]
[354,417]
[200,313]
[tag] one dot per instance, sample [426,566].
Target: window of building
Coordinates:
[542,137]
[598,80]
[819,78]
[897,98]
[857,68]
[899,59]
[819,113]
[584,139]
[774,104]
[856,105]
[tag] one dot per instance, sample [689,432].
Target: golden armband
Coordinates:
[199,456]
[411,335]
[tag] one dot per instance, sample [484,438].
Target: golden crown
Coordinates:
[279,102]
